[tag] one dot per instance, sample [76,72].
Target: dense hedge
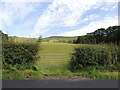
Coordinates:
[22,53]
[94,55]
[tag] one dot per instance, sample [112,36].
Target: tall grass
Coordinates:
[21,74]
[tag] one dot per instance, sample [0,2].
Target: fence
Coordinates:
[54,60]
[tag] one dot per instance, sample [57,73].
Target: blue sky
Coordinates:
[25,18]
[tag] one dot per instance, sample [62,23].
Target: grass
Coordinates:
[56,48]
[101,75]
[55,54]
[21,74]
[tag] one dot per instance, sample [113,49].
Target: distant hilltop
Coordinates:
[60,39]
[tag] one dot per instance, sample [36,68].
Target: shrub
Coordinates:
[19,53]
[94,55]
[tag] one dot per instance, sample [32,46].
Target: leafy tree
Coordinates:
[102,35]
[40,39]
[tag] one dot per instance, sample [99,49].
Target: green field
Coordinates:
[55,54]
[56,48]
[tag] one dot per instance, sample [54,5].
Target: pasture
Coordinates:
[55,54]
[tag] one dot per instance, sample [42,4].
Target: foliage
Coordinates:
[3,36]
[22,53]
[109,35]
[94,55]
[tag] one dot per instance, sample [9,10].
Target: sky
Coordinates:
[32,18]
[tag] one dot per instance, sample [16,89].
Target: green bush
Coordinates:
[19,53]
[94,55]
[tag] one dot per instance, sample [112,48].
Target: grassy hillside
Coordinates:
[22,38]
[59,39]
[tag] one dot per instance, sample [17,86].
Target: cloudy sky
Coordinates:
[56,17]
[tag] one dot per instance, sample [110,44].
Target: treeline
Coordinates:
[102,35]
[64,41]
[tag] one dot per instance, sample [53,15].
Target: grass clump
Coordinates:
[96,74]
[21,74]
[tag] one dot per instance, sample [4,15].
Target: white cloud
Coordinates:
[114,6]
[105,9]
[26,0]
[111,1]
[108,21]
[10,12]
[66,13]
[90,17]
[109,7]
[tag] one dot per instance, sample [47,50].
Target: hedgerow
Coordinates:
[94,55]
[19,53]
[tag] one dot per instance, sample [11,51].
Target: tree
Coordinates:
[78,40]
[40,39]
[102,35]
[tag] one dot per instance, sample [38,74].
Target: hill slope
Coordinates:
[59,39]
